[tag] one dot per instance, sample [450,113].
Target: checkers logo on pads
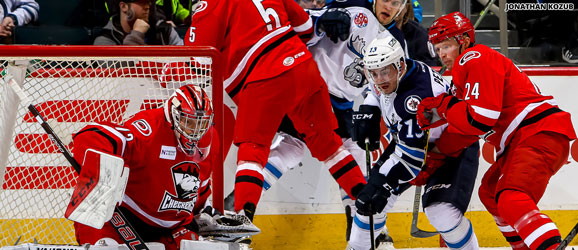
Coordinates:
[411,103]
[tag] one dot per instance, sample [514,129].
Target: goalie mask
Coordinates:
[190,113]
[384,64]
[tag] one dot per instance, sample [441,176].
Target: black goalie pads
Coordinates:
[366,124]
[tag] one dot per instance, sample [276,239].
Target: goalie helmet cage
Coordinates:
[72,86]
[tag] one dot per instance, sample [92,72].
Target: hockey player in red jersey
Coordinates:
[270,73]
[496,101]
[168,153]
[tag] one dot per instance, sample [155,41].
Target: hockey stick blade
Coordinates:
[415,231]
[130,237]
[568,238]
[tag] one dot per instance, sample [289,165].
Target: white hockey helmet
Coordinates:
[381,53]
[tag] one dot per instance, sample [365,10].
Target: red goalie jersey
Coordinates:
[165,186]
[500,100]
[258,38]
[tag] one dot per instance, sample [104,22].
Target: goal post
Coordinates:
[72,86]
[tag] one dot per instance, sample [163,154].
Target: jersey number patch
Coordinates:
[472,90]
[266,13]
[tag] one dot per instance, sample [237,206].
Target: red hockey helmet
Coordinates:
[190,112]
[451,25]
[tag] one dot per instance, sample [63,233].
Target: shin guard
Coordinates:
[248,184]
[536,229]
[346,172]
[510,234]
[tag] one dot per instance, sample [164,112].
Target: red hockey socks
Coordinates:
[248,184]
[510,234]
[536,229]
[346,172]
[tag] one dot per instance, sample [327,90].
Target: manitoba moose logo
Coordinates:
[187,184]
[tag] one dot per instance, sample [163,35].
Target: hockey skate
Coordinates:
[384,241]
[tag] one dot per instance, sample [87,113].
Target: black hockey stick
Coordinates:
[119,222]
[368,169]
[568,238]
[415,231]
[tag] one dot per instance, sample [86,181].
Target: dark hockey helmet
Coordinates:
[190,112]
[451,25]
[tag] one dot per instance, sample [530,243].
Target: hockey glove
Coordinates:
[433,161]
[335,23]
[431,111]
[366,124]
[373,198]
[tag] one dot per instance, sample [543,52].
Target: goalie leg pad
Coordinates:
[100,187]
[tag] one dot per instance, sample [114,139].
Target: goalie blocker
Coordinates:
[98,190]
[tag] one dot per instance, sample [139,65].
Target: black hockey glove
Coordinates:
[335,23]
[366,124]
[373,198]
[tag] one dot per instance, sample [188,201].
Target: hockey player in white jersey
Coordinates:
[339,61]
[397,86]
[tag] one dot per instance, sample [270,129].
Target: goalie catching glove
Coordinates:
[211,223]
[100,187]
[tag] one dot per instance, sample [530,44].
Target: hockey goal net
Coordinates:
[72,86]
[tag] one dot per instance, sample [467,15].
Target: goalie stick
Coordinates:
[368,169]
[119,222]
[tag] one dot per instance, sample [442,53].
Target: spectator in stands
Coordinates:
[16,13]
[415,37]
[131,26]
[417,11]
[174,12]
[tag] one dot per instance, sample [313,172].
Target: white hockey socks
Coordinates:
[456,230]
[286,153]
[100,187]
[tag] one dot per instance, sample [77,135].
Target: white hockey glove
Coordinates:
[213,224]
[100,187]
